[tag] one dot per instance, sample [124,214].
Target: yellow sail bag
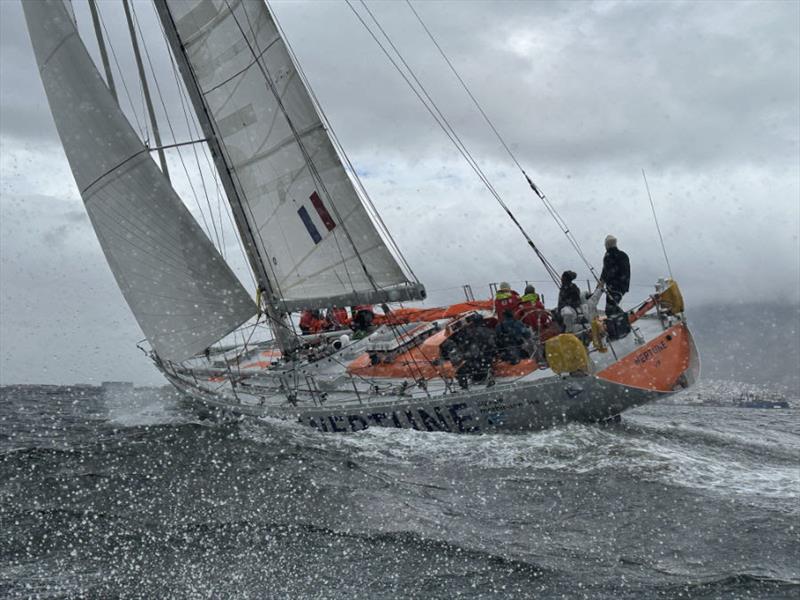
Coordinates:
[566,354]
[671,298]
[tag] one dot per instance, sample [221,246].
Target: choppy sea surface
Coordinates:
[133,496]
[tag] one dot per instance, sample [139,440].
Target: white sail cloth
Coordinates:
[181,291]
[319,244]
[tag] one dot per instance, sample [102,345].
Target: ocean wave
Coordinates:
[730,459]
[734,585]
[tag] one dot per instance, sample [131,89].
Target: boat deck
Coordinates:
[256,380]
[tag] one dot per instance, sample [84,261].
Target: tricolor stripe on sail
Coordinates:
[310,227]
[322,211]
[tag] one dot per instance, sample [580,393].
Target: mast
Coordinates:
[98,32]
[279,321]
[145,90]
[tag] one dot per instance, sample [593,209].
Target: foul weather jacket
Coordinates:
[505,300]
[616,270]
[570,295]
[531,312]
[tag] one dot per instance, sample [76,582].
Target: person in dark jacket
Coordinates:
[475,347]
[570,294]
[361,323]
[569,301]
[512,336]
[616,275]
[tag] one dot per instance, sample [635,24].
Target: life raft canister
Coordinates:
[671,299]
[567,354]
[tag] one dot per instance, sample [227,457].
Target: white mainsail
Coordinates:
[317,242]
[181,291]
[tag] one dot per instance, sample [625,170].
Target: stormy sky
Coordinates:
[705,96]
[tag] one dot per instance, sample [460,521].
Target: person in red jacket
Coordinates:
[531,310]
[505,299]
[337,318]
[311,321]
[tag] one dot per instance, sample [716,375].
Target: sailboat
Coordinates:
[314,241]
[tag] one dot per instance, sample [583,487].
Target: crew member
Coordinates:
[512,339]
[337,318]
[311,321]
[505,299]
[477,346]
[363,315]
[531,310]
[616,275]
[569,301]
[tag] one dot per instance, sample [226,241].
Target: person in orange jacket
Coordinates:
[531,310]
[505,299]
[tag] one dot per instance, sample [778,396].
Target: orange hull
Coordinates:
[657,365]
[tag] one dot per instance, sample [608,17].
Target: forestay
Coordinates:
[179,288]
[317,241]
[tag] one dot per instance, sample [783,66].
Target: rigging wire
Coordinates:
[658,227]
[368,203]
[273,283]
[244,206]
[312,168]
[442,122]
[221,197]
[143,132]
[310,165]
[145,88]
[193,130]
[551,209]
[446,127]
[219,234]
[101,46]
[172,132]
[259,266]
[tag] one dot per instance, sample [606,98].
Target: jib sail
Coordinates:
[181,291]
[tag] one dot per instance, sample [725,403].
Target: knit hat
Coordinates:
[504,286]
[611,242]
[529,289]
[568,276]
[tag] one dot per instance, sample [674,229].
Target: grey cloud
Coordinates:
[62,318]
[688,84]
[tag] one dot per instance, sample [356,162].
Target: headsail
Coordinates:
[178,286]
[316,240]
